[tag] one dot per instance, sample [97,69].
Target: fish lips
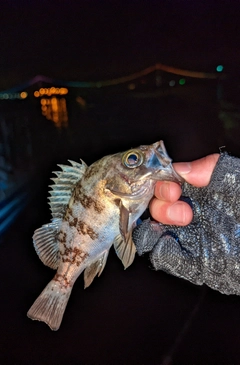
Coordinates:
[166,173]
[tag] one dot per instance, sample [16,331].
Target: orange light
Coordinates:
[63,91]
[131,86]
[54,103]
[23,95]
[51,91]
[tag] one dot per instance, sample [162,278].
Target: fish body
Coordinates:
[94,208]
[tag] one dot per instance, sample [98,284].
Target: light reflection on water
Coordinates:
[55,109]
[53,104]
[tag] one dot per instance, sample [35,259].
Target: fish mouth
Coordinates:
[139,189]
[166,171]
[160,166]
[168,174]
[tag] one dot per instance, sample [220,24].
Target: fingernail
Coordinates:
[183,168]
[164,191]
[176,213]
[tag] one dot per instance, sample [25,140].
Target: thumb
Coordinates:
[198,172]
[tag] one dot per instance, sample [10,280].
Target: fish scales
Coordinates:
[94,208]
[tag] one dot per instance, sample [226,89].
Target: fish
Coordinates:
[93,208]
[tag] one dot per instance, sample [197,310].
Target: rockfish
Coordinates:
[92,209]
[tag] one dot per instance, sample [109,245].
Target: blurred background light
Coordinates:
[131,86]
[219,68]
[182,82]
[50,91]
[23,95]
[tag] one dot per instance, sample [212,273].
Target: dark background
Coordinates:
[94,39]
[136,316]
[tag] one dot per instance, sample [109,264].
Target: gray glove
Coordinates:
[208,249]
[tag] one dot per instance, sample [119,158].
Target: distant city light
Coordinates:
[13,96]
[50,91]
[219,68]
[182,82]
[172,83]
[24,95]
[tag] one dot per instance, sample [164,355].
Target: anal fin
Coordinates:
[96,268]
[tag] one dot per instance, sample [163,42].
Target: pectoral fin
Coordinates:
[46,243]
[123,243]
[96,268]
[125,249]
[123,220]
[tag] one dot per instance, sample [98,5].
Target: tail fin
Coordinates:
[49,307]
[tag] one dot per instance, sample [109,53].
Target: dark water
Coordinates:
[191,121]
[136,316]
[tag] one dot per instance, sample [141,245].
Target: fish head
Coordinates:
[150,162]
[139,168]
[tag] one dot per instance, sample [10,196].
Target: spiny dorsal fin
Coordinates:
[63,186]
[46,244]
[95,268]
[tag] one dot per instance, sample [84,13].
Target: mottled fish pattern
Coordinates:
[92,209]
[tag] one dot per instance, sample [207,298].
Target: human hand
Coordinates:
[206,250]
[166,207]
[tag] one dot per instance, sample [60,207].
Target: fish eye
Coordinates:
[132,159]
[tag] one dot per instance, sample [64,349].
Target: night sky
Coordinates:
[88,40]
